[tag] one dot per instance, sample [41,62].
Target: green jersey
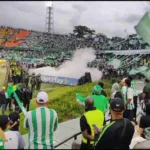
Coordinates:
[42,122]
[1,144]
[100,101]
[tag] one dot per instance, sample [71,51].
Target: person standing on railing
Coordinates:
[41,122]
[91,118]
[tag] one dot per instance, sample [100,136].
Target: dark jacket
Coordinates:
[27,94]
[19,94]
[103,93]
[2,98]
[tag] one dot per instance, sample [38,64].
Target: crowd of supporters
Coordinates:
[54,49]
[34,40]
[120,132]
[42,122]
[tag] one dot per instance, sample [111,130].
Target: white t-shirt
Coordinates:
[12,140]
[130,94]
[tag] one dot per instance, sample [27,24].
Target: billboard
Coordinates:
[59,80]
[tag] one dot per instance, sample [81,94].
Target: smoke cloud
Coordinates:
[116,63]
[74,68]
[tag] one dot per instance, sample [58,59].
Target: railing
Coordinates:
[73,136]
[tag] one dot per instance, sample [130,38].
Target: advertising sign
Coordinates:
[59,80]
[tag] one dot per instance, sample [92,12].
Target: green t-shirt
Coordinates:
[100,102]
[1,144]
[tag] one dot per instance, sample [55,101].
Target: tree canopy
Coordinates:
[81,31]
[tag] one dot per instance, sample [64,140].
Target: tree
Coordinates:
[81,31]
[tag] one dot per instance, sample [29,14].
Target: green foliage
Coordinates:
[80,31]
[63,100]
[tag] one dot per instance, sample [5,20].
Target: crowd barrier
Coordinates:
[67,81]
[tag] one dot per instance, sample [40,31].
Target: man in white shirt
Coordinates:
[129,112]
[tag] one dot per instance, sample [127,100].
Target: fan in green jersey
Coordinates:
[100,101]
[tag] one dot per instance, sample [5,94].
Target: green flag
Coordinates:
[20,104]
[143,28]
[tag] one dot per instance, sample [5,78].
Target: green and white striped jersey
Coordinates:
[1,144]
[133,86]
[42,122]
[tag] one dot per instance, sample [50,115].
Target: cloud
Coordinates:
[132,18]
[110,18]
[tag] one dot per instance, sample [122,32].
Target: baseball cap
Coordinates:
[117,105]
[42,97]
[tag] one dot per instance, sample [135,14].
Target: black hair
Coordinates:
[101,84]
[146,80]
[128,82]
[3,122]
[148,108]
[130,78]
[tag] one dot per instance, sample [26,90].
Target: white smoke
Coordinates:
[74,68]
[116,63]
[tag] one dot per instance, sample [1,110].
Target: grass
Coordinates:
[63,100]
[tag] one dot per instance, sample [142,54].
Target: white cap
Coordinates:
[42,97]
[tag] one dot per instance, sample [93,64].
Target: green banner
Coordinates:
[20,104]
[143,28]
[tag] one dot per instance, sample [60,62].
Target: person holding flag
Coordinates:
[100,101]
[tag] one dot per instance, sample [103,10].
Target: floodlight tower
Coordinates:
[49,23]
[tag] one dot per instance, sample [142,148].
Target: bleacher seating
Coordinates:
[1,42]
[34,40]
[21,34]
[12,43]
[3,32]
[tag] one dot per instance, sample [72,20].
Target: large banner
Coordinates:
[143,28]
[59,80]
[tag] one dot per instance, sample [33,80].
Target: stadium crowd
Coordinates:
[42,122]
[120,132]
[43,49]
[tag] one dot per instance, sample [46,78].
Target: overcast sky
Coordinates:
[109,18]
